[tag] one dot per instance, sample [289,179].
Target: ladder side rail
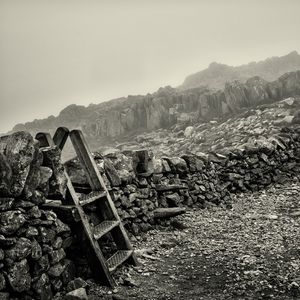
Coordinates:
[44,139]
[107,279]
[60,137]
[103,273]
[119,233]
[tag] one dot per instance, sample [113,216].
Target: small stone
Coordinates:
[4,296]
[130,282]
[57,255]
[79,294]
[18,276]
[6,203]
[20,250]
[34,213]
[36,250]
[2,282]
[11,221]
[42,287]
[41,265]
[31,232]
[76,284]
[56,270]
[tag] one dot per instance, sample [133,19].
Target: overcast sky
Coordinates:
[57,52]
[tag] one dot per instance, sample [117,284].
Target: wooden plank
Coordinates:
[85,157]
[96,257]
[60,137]
[45,139]
[101,273]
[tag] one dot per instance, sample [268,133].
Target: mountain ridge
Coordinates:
[122,117]
[217,74]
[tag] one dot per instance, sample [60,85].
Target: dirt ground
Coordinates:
[249,252]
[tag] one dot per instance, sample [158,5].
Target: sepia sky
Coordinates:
[57,52]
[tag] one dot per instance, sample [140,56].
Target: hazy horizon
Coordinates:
[55,53]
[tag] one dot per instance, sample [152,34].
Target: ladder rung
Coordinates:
[118,258]
[91,197]
[104,227]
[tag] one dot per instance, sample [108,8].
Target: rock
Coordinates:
[18,276]
[20,250]
[78,294]
[69,271]
[168,212]
[18,150]
[76,172]
[41,265]
[36,250]
[76,284]
[5,176]
[46,235]
[2,282]
[57,255]
[160,166]
[111,173]
[4,296]
[194,164]
[130,282]
[34,174]
[58,180]
[42,288]
[6,204]
[177,164]
[43,184]
[11,221]
[188,131]
[173,199]
[56,270]
[6,242]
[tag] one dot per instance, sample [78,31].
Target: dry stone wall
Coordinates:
[38,249]
[33,241]
[141,183]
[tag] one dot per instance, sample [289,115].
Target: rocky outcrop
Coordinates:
[216,75]
[168,107]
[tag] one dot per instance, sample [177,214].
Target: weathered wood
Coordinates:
[60,137]
[97,259]
[108,208]
[68,213]
[44,139]
[106,205]
[168,212]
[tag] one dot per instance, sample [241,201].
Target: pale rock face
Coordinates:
[169,106]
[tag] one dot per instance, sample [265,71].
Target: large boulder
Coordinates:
[17,153]
[58,180]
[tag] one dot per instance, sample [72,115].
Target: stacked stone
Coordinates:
[33,262]
[269,161]
[141,183]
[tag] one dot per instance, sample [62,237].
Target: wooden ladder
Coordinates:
[100,196]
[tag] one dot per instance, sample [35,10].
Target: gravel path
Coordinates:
[249,252]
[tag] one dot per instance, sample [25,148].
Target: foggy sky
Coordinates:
[57,52]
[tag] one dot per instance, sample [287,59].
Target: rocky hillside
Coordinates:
[123,118]
[251,126]
[216,75]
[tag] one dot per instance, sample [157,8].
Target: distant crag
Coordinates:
[167,107]
[216,75]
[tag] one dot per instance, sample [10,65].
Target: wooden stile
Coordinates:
[111,222]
